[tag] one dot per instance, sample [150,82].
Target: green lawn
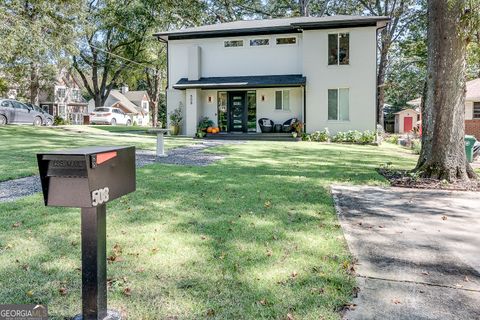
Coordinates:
[254,236]
[20,143]
[120,128]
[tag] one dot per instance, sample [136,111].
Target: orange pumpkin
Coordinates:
[214,130]
[209,129]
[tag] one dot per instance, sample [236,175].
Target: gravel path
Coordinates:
[192,155]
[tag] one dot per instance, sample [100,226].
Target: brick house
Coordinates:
[472,108]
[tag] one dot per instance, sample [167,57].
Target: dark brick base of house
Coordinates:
[472,127]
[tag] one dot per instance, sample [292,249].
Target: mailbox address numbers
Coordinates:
[100,196]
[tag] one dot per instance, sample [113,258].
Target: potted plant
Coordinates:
[297,130]
[176,118]
[204,124]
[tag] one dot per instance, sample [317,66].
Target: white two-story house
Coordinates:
[320,70]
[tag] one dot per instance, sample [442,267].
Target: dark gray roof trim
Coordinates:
[270,26]
[231,33]
[289,80]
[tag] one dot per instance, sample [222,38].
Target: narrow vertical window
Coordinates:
[332,49]
[278,100]
[333,104]
[252,111]
[222,111]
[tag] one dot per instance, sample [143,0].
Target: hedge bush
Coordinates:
[351,136]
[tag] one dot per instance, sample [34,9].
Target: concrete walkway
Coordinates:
[417,251]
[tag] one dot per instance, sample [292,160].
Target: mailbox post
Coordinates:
[88,178]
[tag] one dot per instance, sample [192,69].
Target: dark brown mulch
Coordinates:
[404,178]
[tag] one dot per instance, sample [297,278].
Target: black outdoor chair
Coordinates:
[287,125]
[266,125]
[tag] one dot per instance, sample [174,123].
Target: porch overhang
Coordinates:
[288,80]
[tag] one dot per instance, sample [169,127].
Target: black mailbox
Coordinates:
[88,178]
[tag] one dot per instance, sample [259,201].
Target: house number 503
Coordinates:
[100,196]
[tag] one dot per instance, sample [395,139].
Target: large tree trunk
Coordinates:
[34,83]
[382,68]
[443,148]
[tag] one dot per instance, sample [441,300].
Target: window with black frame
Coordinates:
[252,111]
[339,49]
[222,111]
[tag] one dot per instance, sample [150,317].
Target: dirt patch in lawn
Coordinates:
[407,179]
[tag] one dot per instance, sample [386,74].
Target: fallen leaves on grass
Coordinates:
[17,224]
[263,302]
[267,204]
[127,291]
[210,313]
[294,274]
[63,291]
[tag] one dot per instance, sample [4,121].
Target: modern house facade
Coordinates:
[321,71]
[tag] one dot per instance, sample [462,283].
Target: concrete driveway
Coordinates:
[417,251]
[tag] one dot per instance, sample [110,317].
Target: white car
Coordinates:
[111,116]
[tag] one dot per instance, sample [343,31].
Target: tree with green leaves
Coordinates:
[36,36]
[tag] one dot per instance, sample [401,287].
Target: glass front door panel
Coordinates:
[222,111]
[237,111]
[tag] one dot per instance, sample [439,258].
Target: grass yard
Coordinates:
[120,128]
[254,236]
[20,143]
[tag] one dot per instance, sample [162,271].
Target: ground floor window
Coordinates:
[338,104]
[282,100]
[252,111]
[222,111]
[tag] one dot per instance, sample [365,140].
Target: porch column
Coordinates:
[193,101]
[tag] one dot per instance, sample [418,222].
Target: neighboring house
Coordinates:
[406,120]
[65,99]
[472,108]
[133,103]
[319,70]
[142,101]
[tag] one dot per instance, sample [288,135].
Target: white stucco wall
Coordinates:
[359,76]
[218,61]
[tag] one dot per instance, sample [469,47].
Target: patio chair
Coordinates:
[287,125]
[266,125]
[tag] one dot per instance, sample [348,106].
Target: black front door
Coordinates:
[237,112]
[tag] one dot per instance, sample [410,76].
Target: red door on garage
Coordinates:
[407,124]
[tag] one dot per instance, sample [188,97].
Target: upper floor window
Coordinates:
[145,105]
[287,40]
[338,49]
[282,100]
[476,110]
[233,43]
[61,92]
[259,42]
[75,94]
[338,104]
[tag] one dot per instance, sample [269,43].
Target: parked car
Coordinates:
[111,116]
[12,111]
[47,117]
